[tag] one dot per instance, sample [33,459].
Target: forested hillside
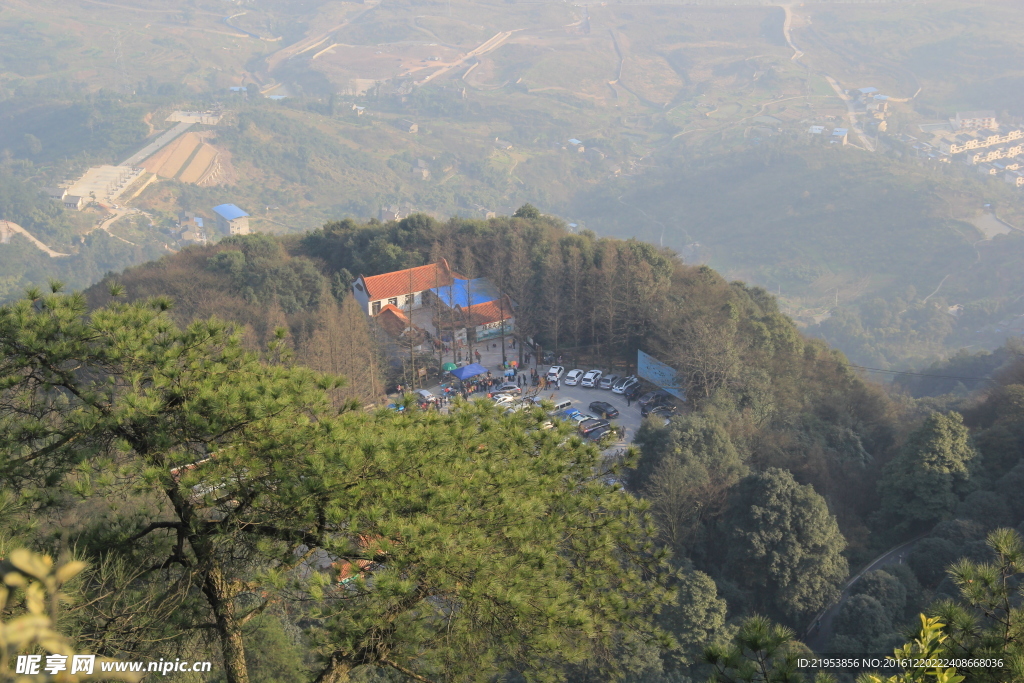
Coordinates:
[786,472]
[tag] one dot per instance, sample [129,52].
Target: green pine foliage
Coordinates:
[450,547]
[927,480]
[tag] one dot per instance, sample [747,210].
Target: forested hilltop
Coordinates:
[181,427]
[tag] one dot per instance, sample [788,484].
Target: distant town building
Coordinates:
[816,130]
[73,202]
[840,136]
[502,144]
[390,213]
[967,120]
[231,220]
[407,125]
[55,193]
[104,183]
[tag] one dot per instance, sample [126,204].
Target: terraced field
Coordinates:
[200,164]
[189,159]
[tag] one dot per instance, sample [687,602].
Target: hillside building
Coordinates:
[231,220]
[970,120]
[402,288]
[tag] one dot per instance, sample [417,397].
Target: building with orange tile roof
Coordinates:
[490,319]
[401,288]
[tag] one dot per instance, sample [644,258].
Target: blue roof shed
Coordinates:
[229,212]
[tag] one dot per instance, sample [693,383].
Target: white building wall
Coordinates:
[359,292]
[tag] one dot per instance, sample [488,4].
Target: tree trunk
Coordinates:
[232,646]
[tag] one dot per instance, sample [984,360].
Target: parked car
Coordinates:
[625,384]
[654,397]
[424,396]
[608,380]
[504,399]
[509,388]
[567,414]
[591,378]
[663,410]
[580,418]
[634,392]
[573,378]
[554,373]
[590,425]
[598,433]
[604,409]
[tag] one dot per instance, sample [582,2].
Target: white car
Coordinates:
[505,399]
[591,378]
[555,373]
[573,378]
[625,384]
[580,418]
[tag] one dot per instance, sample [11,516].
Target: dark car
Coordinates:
[663,410]
[590,425]
[654,398]
[598,433]
[634,391]
[604,409]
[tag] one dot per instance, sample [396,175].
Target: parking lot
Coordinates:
[582,397]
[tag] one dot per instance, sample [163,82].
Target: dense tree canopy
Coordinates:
[451,547]
[932,473]
[781,540]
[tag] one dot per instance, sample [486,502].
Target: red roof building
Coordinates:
[488,319]
[401,288]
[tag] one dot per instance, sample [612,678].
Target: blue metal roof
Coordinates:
[466,293]
[575,141]
[199,221]
[229,212]
[868,91]
[840,131]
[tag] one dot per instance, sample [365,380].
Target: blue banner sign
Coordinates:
[656,372]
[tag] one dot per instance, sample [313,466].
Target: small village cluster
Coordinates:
[974,138]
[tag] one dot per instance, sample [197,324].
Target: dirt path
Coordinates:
[491,43]
[7,229]
[274,59]
[797,53]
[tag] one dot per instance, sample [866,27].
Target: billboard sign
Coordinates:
[659,374]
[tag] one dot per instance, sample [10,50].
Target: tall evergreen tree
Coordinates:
[926,481]
[782,542]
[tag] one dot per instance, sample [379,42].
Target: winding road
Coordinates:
[819,633]
[8,228]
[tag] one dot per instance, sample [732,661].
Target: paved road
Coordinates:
[819,634]
[152,148]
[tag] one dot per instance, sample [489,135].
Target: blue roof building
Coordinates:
[231,219]
[867,91]
[466,293]
[229,212]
